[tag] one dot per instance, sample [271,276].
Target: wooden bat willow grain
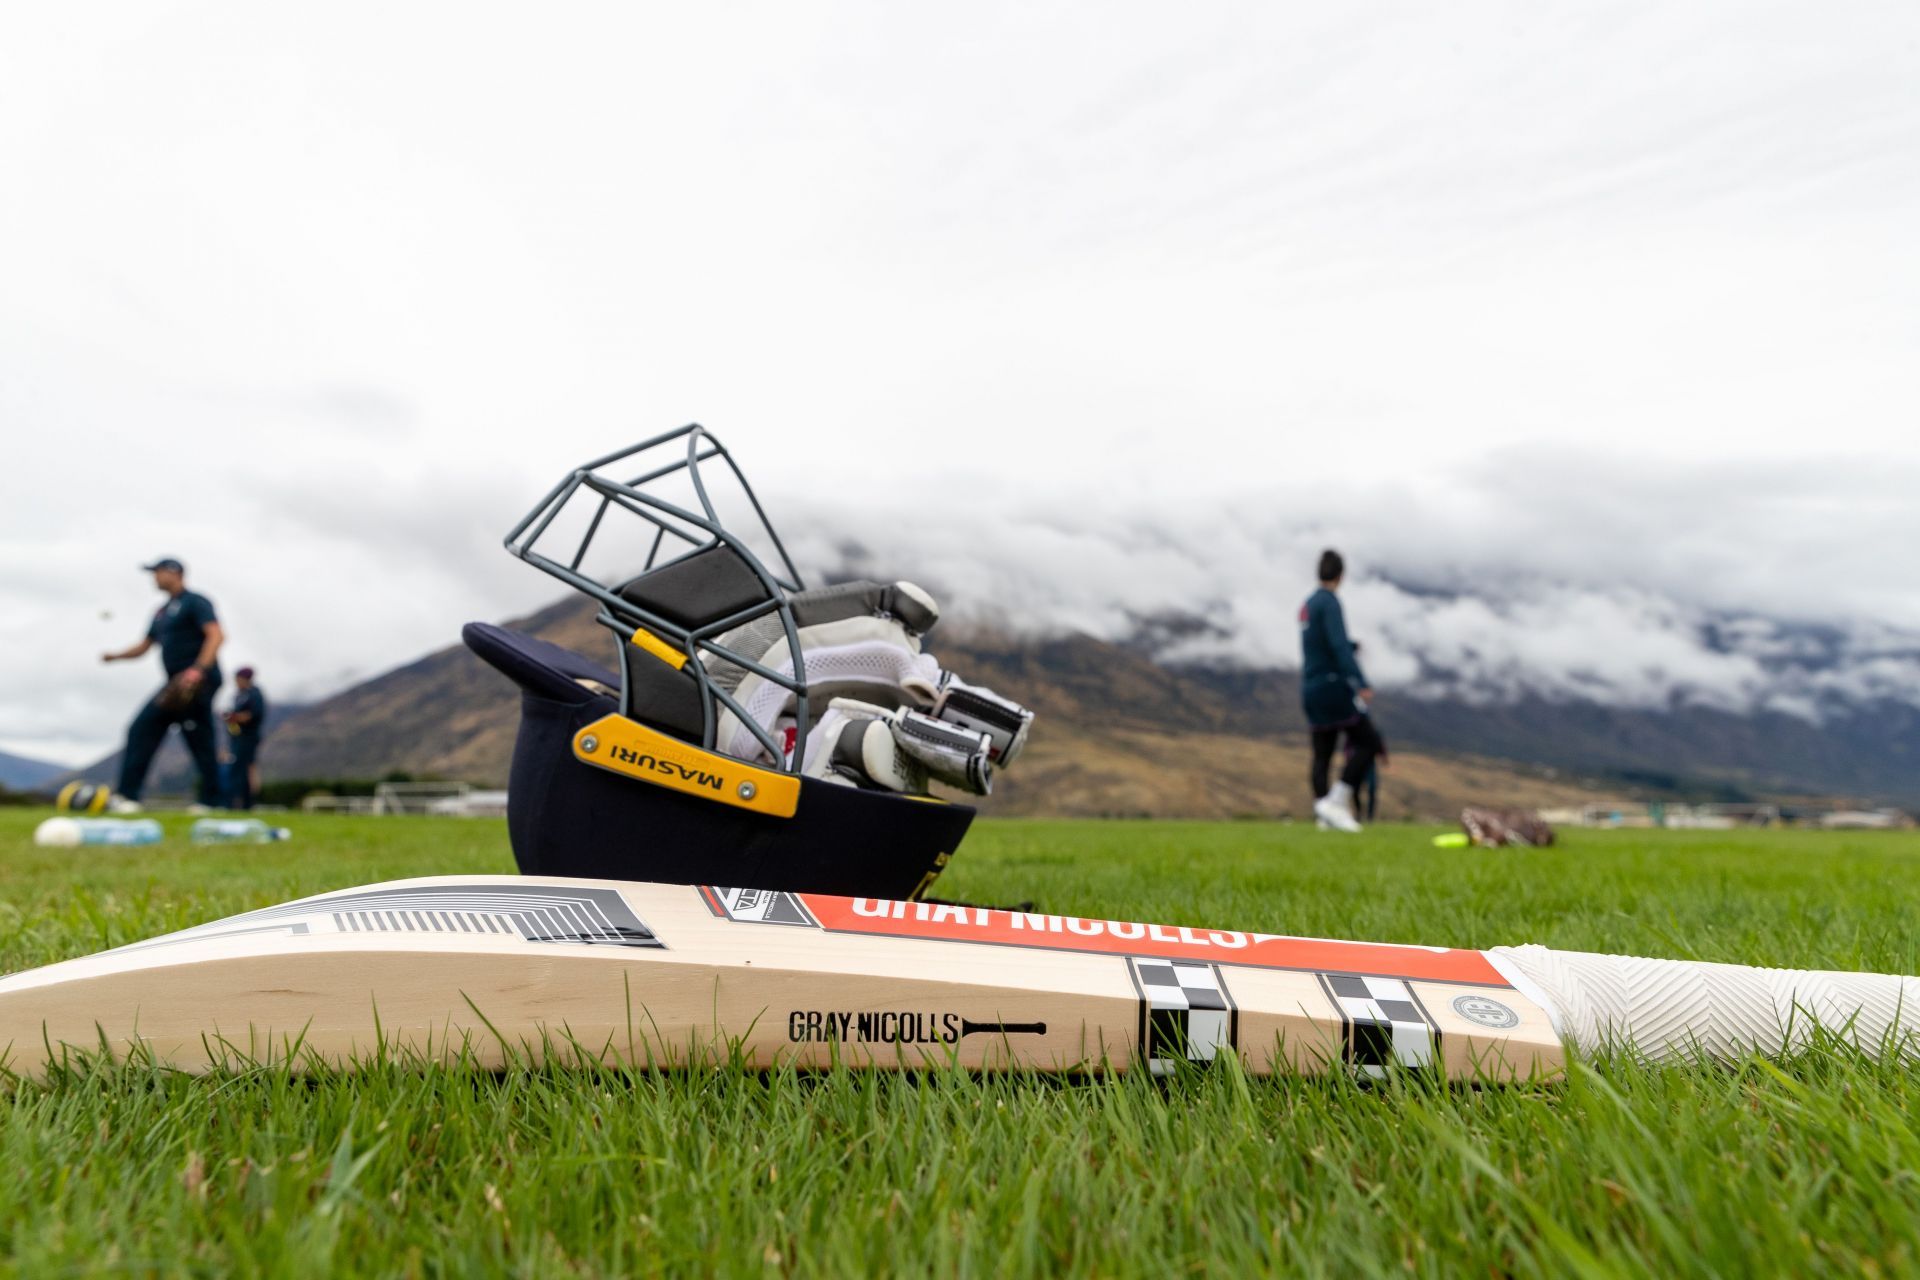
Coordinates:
[498,970]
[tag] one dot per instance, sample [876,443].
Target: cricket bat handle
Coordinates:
[1684,1009]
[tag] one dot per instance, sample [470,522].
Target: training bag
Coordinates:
[1496,828]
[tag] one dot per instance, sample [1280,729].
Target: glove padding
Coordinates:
[897,750]
[861,646]
[975,707]
[181,691]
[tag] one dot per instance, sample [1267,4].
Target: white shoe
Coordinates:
[199,810]
[122,806]
[1335,809]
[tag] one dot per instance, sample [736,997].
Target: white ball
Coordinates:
[58,833]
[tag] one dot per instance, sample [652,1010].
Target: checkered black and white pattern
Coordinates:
[1385,1022]
[1185,1012]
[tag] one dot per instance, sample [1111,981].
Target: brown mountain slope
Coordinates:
[1149,773]
[1116,735]
[447,715]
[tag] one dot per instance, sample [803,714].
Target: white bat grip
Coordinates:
[1678,1009]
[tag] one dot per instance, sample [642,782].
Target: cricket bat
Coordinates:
[499,971]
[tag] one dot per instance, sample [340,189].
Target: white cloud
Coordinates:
[1614,305]
[1471,589]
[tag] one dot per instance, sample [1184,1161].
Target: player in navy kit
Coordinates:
[246,720]
[1335,694]
[189,636]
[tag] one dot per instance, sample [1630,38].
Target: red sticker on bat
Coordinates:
[952,923]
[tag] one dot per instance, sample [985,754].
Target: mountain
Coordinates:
[1121,734]
[23,773]
[1117,735]
[1866,751]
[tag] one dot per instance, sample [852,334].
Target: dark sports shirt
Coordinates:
[179,627]
[254,703]
[1329,673]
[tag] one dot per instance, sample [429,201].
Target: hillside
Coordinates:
[1120,734]
[1117,735]
[1870,752]
[23,773]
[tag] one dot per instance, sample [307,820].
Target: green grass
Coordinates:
[1805,1168]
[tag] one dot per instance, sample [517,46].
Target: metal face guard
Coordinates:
[698,580]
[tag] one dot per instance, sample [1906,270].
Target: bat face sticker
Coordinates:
[1485,1011]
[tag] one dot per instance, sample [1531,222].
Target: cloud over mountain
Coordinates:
[1588,336]
[1543,575]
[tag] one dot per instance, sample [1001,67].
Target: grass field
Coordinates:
[1811,1167]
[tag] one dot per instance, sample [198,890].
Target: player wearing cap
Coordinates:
[245,721]
[189,637]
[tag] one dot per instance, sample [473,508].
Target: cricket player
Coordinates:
[1336,695]
[246,720]
[189,637]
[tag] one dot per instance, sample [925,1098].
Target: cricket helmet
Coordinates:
[686,764]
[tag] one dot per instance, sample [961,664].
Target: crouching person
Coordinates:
[246,721]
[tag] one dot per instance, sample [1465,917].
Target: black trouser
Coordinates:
[1363,744]
[149,730]
[245,748]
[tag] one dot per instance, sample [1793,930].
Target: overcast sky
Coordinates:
[1093,310]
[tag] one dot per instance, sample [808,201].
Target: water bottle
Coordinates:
[68,833]
[236,831]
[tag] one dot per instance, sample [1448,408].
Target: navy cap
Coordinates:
[245,673]
[165,562]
